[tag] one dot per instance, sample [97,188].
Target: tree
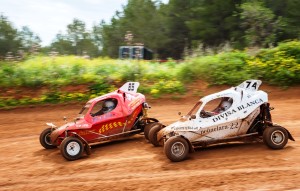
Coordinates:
[143,19]
[76,32]
[145,22]
[29,40]
[96,35]
[62,45]
[212,22]
[9,39]
[112,35]
[259,23]
[177,32]
[77,41]
[169,29]
[288,15]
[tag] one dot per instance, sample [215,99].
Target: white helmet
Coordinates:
[225,105]
[108,106]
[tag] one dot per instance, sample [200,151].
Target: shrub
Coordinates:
[279,66]
[224,68]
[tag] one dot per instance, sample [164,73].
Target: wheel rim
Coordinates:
[178,149]
[277,137]
[47,139]
[73,148]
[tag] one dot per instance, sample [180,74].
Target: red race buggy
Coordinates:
[115,115]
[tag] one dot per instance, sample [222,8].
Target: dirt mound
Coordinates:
[134,164]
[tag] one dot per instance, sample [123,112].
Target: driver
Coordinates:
[223,107]
[107,106]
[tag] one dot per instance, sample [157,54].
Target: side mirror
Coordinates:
[193,117]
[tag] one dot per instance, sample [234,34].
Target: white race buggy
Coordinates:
[241,113]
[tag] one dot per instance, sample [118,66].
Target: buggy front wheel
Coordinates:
[275,137]
[147,129]
[176,148]
[153,134]
[45,139]
[71,148]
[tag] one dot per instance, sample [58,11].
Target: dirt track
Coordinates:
[134,164]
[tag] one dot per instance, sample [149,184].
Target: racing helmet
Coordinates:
[108,106]
[225,105]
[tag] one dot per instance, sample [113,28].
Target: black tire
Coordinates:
[176,148]
[45,139]
[71,148]
[153,134]
[147,129]
[275,137]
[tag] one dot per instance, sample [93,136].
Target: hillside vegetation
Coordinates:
[279,66]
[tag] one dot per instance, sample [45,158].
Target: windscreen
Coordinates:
[84,110]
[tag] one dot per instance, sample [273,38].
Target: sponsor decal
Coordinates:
[231,126]
[242,107]
[202,131]
[117,124]
[224,115]
[85,132]
[186,128]
[82,125]
[110,126]
[132,117]
[249,104]
[102,117]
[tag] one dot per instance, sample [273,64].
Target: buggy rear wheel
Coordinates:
[176,148]
[275,137]
[147,129]
[153,134]
[71,148]
[45,139]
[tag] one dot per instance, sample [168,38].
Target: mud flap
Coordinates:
[290,135]
[87,147]
[88,150]
[191,148]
